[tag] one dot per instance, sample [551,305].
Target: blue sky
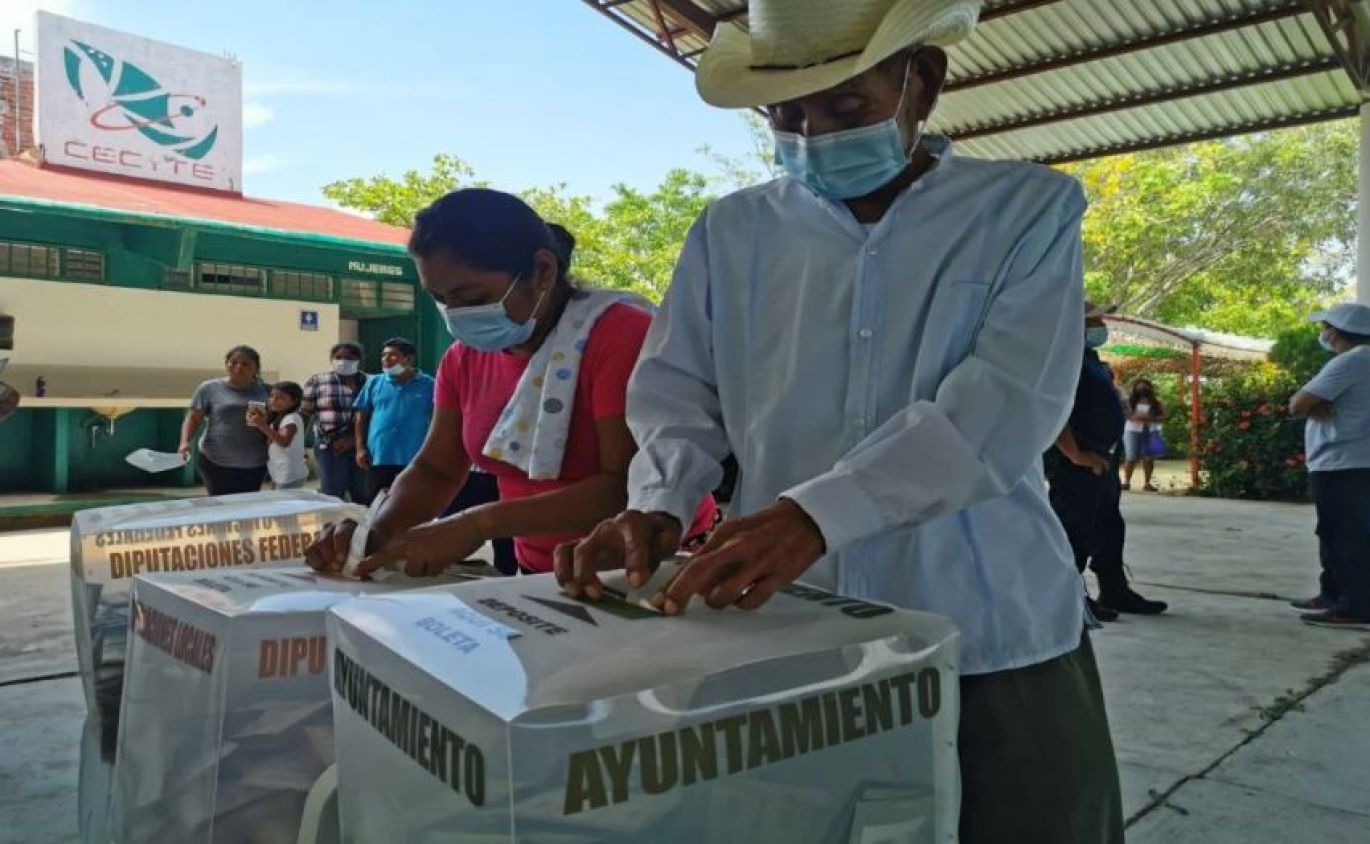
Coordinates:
[529,93]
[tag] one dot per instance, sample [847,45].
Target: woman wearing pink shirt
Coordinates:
[499,275]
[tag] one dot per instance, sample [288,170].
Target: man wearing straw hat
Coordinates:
[887,338]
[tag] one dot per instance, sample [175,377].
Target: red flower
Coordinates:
[1243,425]
[1265,408]
[1291,462]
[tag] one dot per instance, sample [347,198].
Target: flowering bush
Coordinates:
[1251,446]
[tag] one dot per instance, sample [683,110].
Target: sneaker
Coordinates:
[1125,600]
[1316,604]
[1100,613]
[1336,618]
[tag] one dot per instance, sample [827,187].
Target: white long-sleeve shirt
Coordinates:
[899,382]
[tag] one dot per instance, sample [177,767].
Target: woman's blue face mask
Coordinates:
[489,328]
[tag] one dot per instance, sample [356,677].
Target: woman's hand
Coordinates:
[184,450]
[427,549]
[328,553]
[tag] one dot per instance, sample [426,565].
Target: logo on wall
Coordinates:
[130,100]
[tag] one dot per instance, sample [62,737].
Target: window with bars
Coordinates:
[83,264]
[396,297]
[366,295]
[29,259]
[175,279]
[361,294]
[293,284]
[230,278]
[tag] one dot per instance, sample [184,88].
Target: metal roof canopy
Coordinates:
[1065,80]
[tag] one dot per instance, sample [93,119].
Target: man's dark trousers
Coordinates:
[1088,506]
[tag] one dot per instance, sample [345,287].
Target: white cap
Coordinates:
[1351,317]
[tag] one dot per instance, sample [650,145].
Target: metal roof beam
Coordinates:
[1338,22]
[666,35]
[1259,76]
[988,15]
[632,26]
[1229,130]
[1240,20]
[695,19]
[1013,9]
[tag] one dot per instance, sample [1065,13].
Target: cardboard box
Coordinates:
[504,711]
[226,722]
[111,545]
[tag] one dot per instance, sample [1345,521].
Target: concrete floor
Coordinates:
[1233,722]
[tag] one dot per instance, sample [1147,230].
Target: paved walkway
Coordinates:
[1233,722]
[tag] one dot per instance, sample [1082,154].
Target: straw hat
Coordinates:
[799,47]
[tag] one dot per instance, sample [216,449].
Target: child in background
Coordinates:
[284,430]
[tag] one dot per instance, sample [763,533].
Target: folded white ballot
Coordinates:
[502,710]
[155,461]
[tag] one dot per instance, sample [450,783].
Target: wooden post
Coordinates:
[1195,415]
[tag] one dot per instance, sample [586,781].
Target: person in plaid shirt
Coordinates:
[328,399]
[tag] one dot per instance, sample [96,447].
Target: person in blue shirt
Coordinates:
[888,338]
[1337,445]
[392,415]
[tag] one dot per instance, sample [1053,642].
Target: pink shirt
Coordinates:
[480,384]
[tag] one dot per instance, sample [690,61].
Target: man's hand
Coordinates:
[747,560]
[184,450]
[427,549]
[632,540]
[1096,463]
[363,459]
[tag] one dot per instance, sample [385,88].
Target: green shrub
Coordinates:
[1298,352]
[1251,446]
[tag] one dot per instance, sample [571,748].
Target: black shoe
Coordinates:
[1315,604]
[1336,618]
[1125,600]
[1100,613]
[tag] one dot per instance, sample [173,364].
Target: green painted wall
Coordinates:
[51,450]
[17,451]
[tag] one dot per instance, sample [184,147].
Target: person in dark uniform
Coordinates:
[1082,470]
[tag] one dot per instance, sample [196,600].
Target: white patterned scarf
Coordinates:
[531,432]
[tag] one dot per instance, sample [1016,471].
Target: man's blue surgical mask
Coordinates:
[489,327]
[1326,342]
[396,371]
[852,162]
[1096,336]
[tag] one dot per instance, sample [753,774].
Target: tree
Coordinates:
[631,243]
[756,165]
[1244,235]
[396,201]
